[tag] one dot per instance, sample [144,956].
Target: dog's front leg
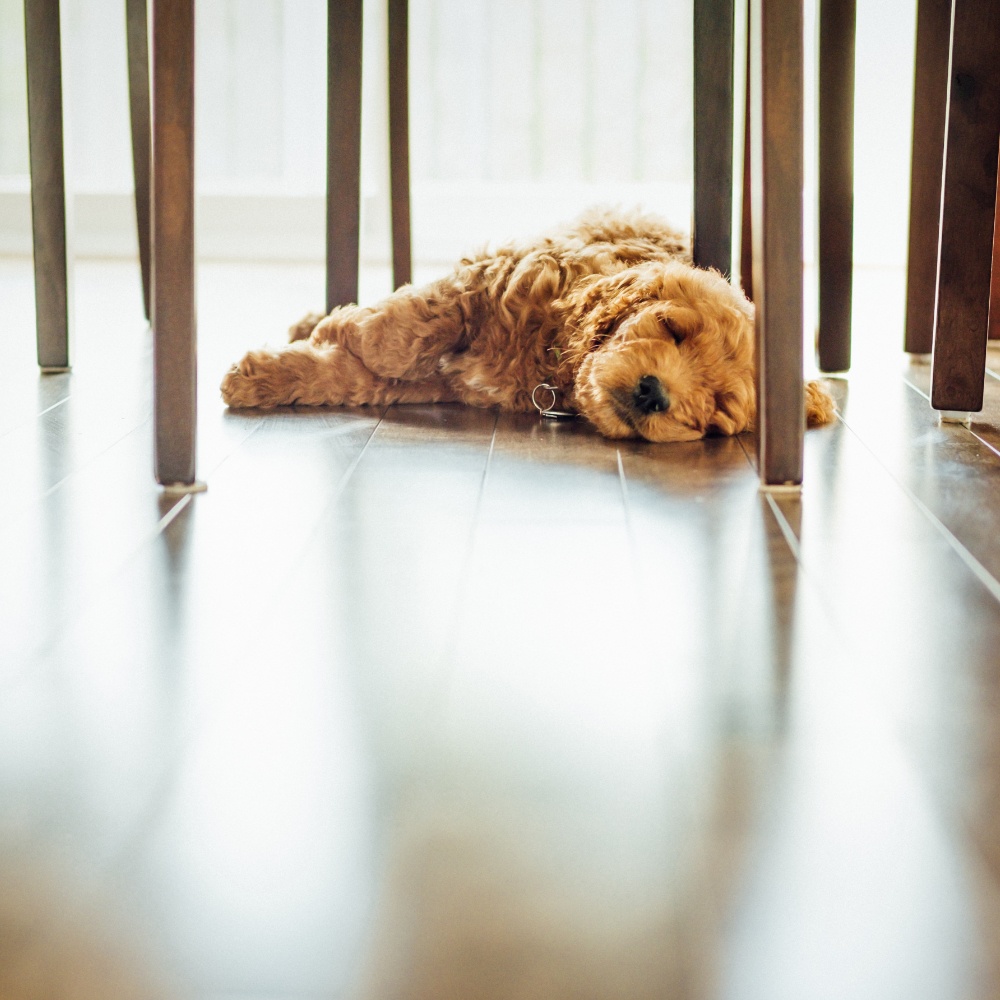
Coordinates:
[404,336]
[307,375]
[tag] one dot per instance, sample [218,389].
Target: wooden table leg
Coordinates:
[776,118]
[136,31]
[713,134]
[994,333]
[968,208]
[746,214]
[48,183]
[930,104]
[836,182]
[399,141]
[343,151]
[174,356]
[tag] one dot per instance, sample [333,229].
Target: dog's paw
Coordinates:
[244,384]
[820,408]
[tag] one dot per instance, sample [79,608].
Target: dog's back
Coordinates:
[606,225]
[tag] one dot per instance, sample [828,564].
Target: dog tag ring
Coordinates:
[547,411]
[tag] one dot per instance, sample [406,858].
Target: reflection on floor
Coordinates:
[435,703]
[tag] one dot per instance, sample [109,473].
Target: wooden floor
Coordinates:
[431,703]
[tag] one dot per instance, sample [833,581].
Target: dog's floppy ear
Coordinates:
[680,322]
[598,302]
[735,405]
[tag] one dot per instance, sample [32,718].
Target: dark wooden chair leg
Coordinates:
[136,33]
[399,141]
[343,150]
[174,357]
[968,208]
[776,51]
[746,214]
[48,183]
[713,134]
[930,103]
[994,331]
[836,182]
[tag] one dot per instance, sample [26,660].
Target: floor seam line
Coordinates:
[90,461]
[171,514]
[920,392]
[627,507]
[786,530]
[14,428]
[225,458]
[42,656]
[984,442]
[978,570]
[965,427]
[463,573]
[49,409]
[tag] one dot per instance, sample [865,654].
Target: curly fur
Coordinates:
[596,310]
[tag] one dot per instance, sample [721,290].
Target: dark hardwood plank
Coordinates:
[25,400]
[963,466]
[175,375]
[713,134]
[930,105]
[873,681]
[425,464]
[528,748]
[137,34]
[108,512]
[53,293]
[968,207]
[343,168]
[399,141]
[104,338]
[374,652]
[159,663]
[435,703]
[946,469]
[942,520]
[931,665]
[835,126]
[575,473]
[776,118]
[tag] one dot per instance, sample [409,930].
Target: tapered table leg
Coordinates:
[48,183]
[173,302]
[343,150]
[836,182]
[930,105]
[968,208]
[136,32]
[713,134]
[399,141]
[746,214]
[776,118]
[994,333]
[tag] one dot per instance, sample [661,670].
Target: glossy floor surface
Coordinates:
[434,703]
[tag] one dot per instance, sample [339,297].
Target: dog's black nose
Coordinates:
[649,395]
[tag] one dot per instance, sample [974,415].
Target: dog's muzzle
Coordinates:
[649,396]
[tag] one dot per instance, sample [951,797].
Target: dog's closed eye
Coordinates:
[672,329]
[680,322]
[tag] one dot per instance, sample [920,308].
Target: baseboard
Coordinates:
[449,219]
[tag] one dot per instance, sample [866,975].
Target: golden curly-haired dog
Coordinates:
[610,312]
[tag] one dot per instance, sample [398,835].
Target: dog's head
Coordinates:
[663,351]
